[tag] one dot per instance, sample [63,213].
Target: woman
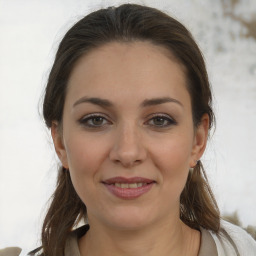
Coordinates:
[128,103]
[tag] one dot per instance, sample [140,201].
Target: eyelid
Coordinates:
[160,114]
[96,114]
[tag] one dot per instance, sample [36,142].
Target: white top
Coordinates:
[234,241]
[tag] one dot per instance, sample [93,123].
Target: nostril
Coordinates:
[127,163]
[127,151]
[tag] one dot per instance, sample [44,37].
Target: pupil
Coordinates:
[97,120]
[159,121]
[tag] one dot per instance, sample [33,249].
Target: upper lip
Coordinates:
[127,180]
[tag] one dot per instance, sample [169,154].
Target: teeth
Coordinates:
[118,185]
[133,185]
[130,185]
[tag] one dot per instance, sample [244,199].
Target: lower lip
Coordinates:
[129,193]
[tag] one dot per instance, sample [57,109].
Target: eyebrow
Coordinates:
[95,101]
[146,103]
[157,101]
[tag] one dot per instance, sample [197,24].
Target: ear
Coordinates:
[200,140]
[58,144]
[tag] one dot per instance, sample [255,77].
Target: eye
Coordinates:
[94,121]
[161,121]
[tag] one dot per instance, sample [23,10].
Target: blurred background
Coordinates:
[30,32]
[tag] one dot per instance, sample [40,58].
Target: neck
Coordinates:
[165,240]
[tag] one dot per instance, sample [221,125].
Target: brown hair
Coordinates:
[127,23]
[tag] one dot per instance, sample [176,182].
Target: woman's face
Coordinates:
[127,134]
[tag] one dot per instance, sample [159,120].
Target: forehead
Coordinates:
[138,69]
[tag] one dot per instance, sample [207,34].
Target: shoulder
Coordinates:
[71,247]
[10,251]
[233,240]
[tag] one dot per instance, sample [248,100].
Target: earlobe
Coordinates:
[58,144]
[200,139]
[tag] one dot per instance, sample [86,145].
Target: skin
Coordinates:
[129,141]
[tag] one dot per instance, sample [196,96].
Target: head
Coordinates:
[130,31]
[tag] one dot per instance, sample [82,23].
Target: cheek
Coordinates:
[174,153]
[172,159]
[85,156]
[84,152]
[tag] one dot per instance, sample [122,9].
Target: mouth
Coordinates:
[128,188]
[130,185]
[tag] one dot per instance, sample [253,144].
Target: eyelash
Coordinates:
[89,118]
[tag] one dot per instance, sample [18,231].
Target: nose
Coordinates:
[128,149]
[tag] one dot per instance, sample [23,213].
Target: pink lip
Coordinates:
[128,193]
[127,180]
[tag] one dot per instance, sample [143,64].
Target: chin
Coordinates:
[130,219]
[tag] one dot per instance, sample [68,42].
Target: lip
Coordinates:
[128,193]
[127,180]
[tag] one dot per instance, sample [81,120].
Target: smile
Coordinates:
[129,185]
[128,188]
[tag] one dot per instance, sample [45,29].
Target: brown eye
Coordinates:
[161,121]
[94,121]
[98,120]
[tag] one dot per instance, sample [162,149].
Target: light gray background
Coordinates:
[29,35]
